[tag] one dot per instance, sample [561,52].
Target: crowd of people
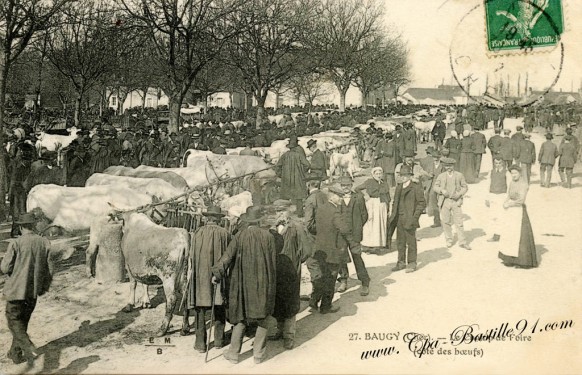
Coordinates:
[252,276]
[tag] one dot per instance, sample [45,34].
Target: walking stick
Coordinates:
[211,323]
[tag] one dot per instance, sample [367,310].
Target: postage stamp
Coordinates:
[523,24]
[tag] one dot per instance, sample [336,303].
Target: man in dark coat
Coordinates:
[547,159]
[432,165]
[331,246]
[319,163]
[479,147]
[385,158]
[24,156]
[297,248]
[29,276]
[567,160]
[292,168]
[356,215]
[527,155]
[406,210]
[506,148]
[208,245]
[409,139]
[315,199]
[494,144]
[439,132]
[251,258]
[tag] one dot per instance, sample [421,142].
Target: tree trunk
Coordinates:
[277,96]
[248,101]
[364,99]
[205,103]
[342,91]
[3,169]
[261,108]
[77,117]
[175,104]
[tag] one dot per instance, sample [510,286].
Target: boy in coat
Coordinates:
[407,207]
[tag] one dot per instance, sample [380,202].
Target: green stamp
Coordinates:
[523,24]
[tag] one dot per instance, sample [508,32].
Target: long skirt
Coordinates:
[517,240]
[467,166]
[374,231]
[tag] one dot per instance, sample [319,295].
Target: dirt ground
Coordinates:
[79,326]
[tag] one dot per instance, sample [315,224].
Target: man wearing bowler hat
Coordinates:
[407,207]
[433,167]
[450,187]
[208,245]
[29,276]
[251,260]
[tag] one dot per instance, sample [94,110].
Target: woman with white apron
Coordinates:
[516,239]
[377,194]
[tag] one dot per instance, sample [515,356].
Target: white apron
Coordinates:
[374,231]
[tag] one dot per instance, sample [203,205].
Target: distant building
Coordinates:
[441,95]
[556,97]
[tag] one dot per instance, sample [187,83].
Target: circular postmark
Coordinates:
[496,57]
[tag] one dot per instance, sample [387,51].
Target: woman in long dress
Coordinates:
[516,238]
[466,159]
[376,191]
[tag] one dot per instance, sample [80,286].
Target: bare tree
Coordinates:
[20,21]
[269,50]
[308,87]
[185,35]
[339,36]
[85,47]
[384,62]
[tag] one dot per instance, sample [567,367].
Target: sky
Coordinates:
[431,27]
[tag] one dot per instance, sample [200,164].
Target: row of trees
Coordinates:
[72,49]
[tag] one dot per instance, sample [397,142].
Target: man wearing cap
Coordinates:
[574,140]
[26,263]
[251,259]
[567,160]
[506,148]
[319,164]
[353,206]
[315,199]
[527,155]
[331,248]
[292,168]
[407,207]
[450,187]
[207,246]
[479,147]
[547,159]
[433,167]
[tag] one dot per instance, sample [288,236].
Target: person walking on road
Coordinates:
[547,159]
[407,207]
[450,187]
[26,263]
[251,261]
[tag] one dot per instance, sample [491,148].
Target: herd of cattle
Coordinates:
[162,251]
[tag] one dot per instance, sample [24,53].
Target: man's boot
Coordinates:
[562,177]
[569,181]
[343,286]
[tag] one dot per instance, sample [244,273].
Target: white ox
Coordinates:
[154,187]
[193,153]
[345,163]
[237,204]
[423,129]
[165,174]
[52,142]
[75,208]
[153,255]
